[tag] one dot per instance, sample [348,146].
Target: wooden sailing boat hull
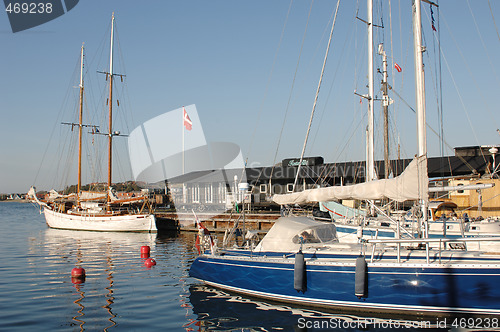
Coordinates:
[105,223]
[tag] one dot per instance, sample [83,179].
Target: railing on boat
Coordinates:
[426,241]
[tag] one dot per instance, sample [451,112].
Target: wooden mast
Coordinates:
[110,104]
[80,128]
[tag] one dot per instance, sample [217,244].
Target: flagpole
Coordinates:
[183,116]
[184,189]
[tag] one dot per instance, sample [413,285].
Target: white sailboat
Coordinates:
[102,211]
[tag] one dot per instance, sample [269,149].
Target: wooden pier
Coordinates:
[184,221]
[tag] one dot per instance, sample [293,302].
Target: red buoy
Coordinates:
[145,250]
[78,272]
[150,262]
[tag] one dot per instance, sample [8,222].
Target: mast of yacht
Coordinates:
[370,161]
[385,107]
[80,128]
[420,92]
[110,104]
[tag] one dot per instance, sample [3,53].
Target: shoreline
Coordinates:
[16,200]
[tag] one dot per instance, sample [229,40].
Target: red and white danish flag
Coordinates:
[187,121]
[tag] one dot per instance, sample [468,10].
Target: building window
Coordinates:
[222,193]
[196,194]
[208,193]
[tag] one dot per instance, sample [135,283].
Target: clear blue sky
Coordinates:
[223,56]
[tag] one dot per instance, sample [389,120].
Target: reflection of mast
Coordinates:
[82,294]
[185,301]
[110,299]
[80,311]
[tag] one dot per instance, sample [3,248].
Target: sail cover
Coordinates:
[412,184]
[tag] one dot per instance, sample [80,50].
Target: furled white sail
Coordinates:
[412,184]
[92,196]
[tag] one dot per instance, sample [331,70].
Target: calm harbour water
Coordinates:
[120,293]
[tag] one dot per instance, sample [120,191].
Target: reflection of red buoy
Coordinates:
[150,262]
[145,250]
[78,281]
[78,272]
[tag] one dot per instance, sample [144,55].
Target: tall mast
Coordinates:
[80,127]
[385,107]
[419,78]
[420,99]
[110,103]
[370,161]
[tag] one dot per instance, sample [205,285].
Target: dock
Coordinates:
[184,221]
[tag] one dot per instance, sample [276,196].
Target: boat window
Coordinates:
[474,228]
[319,234]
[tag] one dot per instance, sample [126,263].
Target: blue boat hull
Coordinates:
[434,289]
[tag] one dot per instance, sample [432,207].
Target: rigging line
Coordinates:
[436,78]
[347,143]
[440,70]
[269,79]
[436,133]
[316,97]
[343,147]
[404,60]
[493,18]
[361,121]
[455,83]
[493,116]
[291,92]
[348,39]
[59,116]
[482,40]
[123,111]
[393,108]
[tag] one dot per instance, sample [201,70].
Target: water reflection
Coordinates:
[119,292]
[109,297]
[218,310]
[79,313]
[100,253]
